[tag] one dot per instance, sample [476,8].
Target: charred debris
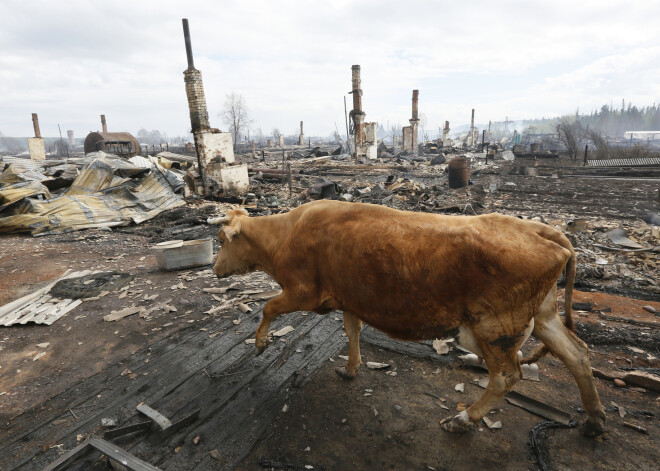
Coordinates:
[134,204]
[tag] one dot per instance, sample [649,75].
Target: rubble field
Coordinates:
[179,341]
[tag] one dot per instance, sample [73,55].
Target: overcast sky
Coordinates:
[291,60]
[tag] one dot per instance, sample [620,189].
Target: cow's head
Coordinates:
[235,249]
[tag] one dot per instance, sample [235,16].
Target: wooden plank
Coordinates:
[220,384]
[128,311]
[209,372]
[109,449]
[413,349]
[179,364]
[234,429]
[35,425]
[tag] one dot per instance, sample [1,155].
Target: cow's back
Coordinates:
[418,275]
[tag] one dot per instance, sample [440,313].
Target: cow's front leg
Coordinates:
[352,326]
[282,304]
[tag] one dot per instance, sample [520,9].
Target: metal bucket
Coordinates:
[459,172]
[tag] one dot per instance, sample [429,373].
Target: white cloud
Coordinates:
[291,60]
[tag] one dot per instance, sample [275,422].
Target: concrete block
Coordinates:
[235,180]
[37,148]
[215,146]
[371,140]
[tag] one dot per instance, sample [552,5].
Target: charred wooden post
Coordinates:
[288,172]
[301,140]
[104,126]
[586,149]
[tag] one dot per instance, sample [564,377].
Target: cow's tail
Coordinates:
[571,267]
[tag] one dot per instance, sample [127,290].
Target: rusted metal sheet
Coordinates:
[119,143]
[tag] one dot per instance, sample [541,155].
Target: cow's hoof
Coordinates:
[592,428]
[343,372]
[460,423]
[260,346]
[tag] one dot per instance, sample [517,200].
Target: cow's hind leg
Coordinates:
[503,373]
[573,352]
[353,326]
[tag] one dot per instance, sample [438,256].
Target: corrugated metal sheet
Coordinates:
[109,192]
[24,164]
[651,161]
[40,307]
[17,185]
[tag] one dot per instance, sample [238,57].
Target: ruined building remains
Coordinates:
[473,134]
[212,145]
[410,132]
[365,133]
[215,149]
[446,142]
[36,143]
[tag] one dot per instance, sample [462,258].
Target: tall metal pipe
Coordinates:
[35,124]
[186,35]
[103,125]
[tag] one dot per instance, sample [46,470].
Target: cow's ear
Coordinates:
[221,236]
[232,230]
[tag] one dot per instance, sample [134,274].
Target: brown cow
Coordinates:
[489,280]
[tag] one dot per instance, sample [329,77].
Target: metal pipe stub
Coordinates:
[186,36]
